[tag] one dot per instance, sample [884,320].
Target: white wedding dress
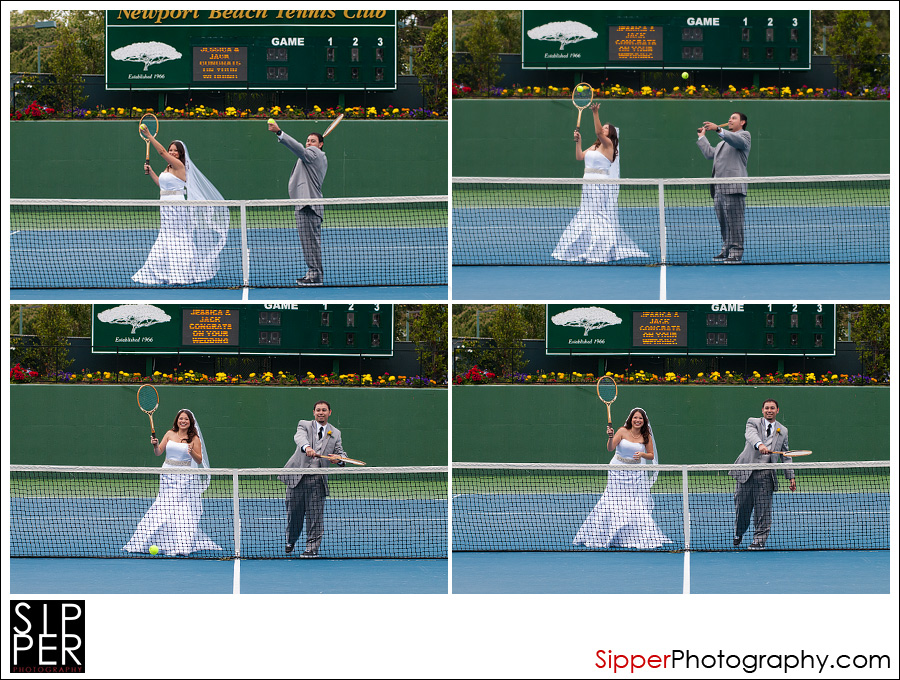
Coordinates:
[190,238]
[594,234]
[172,523]
[623,517]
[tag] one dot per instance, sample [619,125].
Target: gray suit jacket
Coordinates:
[755,433]
[307,435]
[309,171]
[729,159]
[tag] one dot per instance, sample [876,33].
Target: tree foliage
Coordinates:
[508,23]
[429,330]
[431,67]
[854,45]
[480,66]
[51,326]
[413,26]
[871,330]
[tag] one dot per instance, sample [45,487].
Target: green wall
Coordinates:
[521,138]
[104,159]
[692,424]
[243,426]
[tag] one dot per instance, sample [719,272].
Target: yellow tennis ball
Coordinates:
[685,75]
[271,121]
[154,550]
[143,127]
[580,88]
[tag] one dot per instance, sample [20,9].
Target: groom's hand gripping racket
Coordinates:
[333,125]
[150,123]
[337,459]
[148,402]
[607,390]
[582,96]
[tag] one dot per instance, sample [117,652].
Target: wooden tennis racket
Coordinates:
[333,125]
[337,459]
[607,390]
[148,402]
[795,454]
[582,96]
[151,123]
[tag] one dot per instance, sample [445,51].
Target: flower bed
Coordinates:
[677,92]
[200,112]
[476,376]
[21,375]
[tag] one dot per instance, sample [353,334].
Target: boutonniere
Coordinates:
[329,433]
[777,430]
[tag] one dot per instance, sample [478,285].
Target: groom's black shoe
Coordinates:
[721,256]
[289,548]
[307,281]
[756,546]
[310,553]
[737,541]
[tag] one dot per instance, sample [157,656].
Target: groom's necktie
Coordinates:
[768,430]
[320,431]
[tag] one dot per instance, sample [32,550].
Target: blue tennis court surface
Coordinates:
[187,576]
[838,282]
[368,528]
[105,259]
[746,573]
[527,236]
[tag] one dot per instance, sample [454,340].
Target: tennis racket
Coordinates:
[148,402]
[333,125]
[582,96]
[338,459]
[151,122]
[607,390]
[724,125]
[795,454]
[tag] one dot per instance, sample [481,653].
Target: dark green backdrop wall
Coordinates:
[521,138]
[243,426]
[104,159]
[692,424]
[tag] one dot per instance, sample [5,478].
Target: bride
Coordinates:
[594,234]
[623,517]
[172,523]
[190,238]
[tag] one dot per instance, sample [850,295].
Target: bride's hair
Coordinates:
[192,428]
[614,138]
[180,147]
[645,428]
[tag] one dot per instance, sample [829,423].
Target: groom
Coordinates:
[306,182]
[318,443]
[765,438]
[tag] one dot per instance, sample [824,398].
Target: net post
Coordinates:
[662,223]
[235,486]
[685,505]
[245,250]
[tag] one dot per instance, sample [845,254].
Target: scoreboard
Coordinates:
[268,329]
[678,330]
[754,39]
[251,49]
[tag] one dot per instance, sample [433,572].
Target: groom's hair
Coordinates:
[764,403]
[322,402]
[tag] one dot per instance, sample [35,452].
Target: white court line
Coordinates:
[245,294]
[236,590]
[686,588]
[662,282]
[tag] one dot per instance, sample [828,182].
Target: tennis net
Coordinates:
[548,507]
[67,511]
[787,220]
[394,241]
